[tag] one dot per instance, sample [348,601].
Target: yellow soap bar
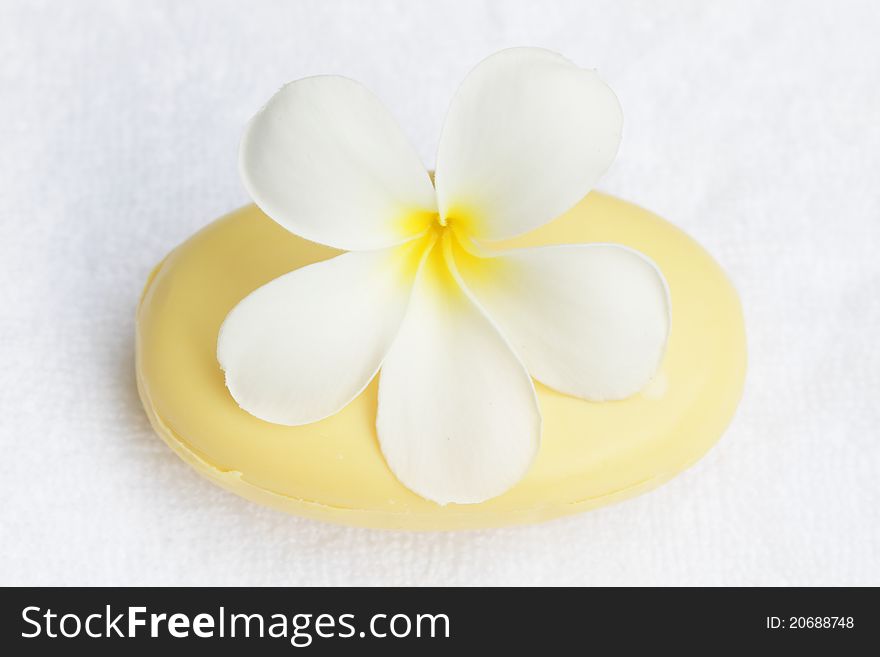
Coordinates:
[592,453]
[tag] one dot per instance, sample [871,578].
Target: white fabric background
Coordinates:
[755,126]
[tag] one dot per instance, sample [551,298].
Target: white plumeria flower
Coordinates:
[456,331]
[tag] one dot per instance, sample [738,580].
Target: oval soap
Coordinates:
[592,453]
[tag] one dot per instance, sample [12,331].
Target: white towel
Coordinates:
[754,126]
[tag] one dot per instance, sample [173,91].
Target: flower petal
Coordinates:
[458,418]
[327,161]
[527,136]
[589,320]
[305,344]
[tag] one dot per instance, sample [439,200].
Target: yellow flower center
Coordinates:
[443,247]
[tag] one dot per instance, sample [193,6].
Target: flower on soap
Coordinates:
[456,330]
